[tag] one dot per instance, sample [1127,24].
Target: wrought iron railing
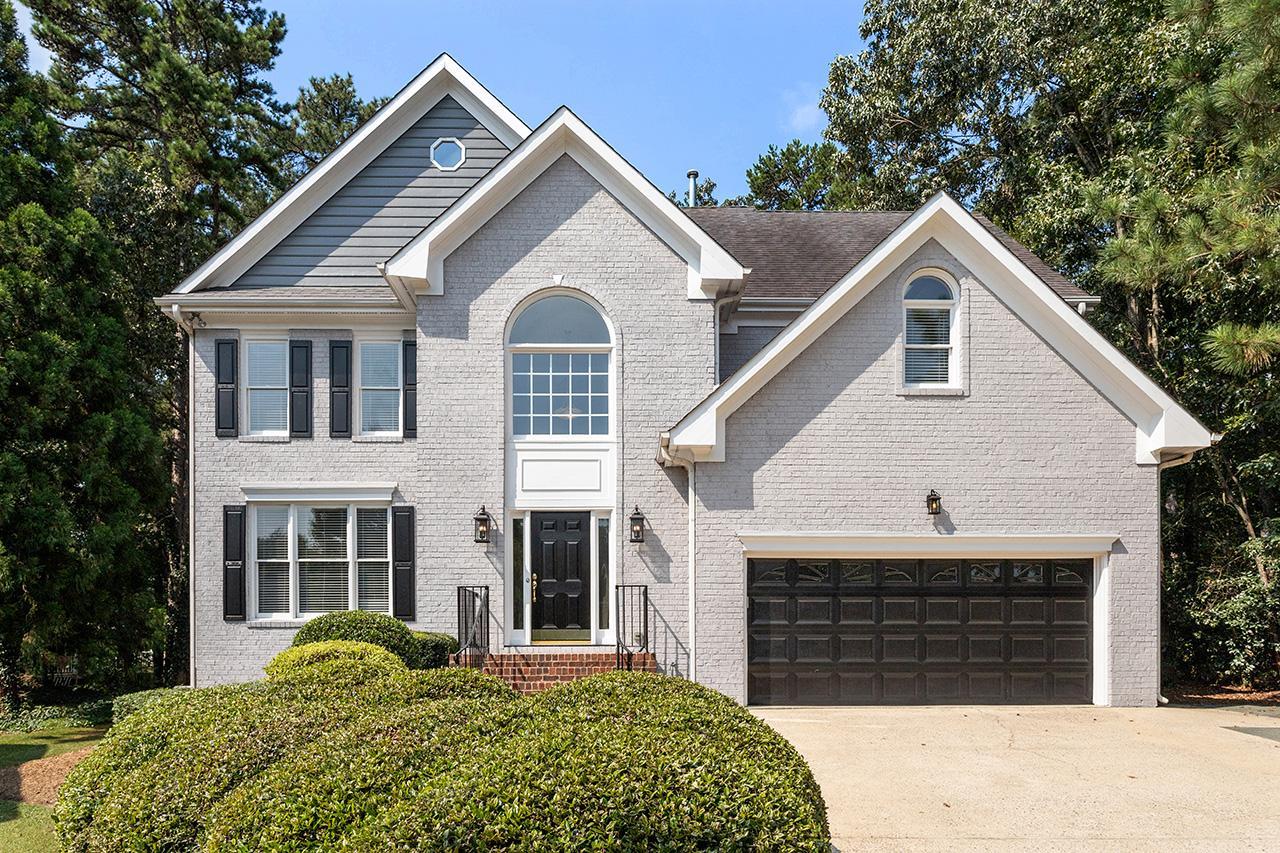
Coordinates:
[473,625]
[633,623]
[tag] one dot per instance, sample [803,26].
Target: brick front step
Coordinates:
[531,672]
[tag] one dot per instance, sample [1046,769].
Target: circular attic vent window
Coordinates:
[447,154]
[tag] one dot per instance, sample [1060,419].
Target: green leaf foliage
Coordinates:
[362,627]
[298,659]
[80,459]
[444,760]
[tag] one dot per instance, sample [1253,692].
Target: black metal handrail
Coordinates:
[633,623]
[473,625]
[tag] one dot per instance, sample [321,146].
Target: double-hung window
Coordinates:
[380,387]
[318,559]
[267,387]
[928,350]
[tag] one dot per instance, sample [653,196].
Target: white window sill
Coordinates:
[284,622]
[265,439]
[932,391]
[378,439]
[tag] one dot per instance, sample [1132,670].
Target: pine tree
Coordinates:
[80,463]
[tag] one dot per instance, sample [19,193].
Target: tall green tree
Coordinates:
[81,472]
[177,131]
[798,176]
[326,112]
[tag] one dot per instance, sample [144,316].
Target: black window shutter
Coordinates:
[340,389]
[402,562]
[410,389]
[233,562]
[224,370]
[300,389]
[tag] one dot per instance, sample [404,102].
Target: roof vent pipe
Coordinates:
[693,187]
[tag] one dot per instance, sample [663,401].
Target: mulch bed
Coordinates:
[1200,694]
[37,781]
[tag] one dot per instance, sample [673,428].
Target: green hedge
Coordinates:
[30,718]
[326,792]
[619,761]
[342,755]
[296,659]
[361,627]
[431,650]
[130,703]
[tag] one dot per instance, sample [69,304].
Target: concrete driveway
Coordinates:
[1043,778]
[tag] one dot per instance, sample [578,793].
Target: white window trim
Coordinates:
[295,614]
[511,350]
[357,404]
[954,379]
[524,636]
[245,388]
[461,147]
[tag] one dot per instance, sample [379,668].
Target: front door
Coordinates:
[560,585]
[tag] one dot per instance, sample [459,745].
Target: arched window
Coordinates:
[559,349]
[928,311]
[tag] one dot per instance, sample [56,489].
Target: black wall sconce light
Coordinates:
[933,502]
[483,524]
[637,525]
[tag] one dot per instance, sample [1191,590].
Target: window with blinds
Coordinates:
[380,387]
[927,316]
[319,559]
[267,387]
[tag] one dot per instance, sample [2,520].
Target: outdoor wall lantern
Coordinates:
[484,524]
[933,502]
[637,525]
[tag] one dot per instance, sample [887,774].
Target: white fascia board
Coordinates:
[421,261]
[442,77]
[798,544]
[379,492]
[1161,423]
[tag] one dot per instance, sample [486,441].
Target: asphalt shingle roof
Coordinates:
[800,254]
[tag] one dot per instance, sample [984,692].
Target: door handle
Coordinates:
[534,598]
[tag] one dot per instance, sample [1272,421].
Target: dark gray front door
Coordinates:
[867,632]
[560,584]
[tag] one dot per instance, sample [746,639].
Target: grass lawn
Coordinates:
[26,827]
[29,827]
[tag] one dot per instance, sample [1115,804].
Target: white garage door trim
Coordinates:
[796,544]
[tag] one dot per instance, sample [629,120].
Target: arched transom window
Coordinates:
[929,305]
[560,349]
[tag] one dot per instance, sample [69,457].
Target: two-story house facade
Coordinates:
[846,457]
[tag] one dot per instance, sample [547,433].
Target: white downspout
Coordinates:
[191,510]
[693,574]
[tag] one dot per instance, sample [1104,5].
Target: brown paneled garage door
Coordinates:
[867,632]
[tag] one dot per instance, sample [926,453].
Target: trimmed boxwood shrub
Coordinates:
[130,703]
[454,683]
[622,761]
[431,650]
[362,627]
[325,792]
[297,658]
[156,780]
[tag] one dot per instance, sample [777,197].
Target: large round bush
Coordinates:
[326,792]
[297,659]
[432,650]
[622,761]
[361,627]
[153,781]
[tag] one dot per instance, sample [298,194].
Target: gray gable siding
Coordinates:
[381,209]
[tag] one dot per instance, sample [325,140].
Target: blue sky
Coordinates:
[705,84]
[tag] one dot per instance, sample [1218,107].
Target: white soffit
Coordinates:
[1163,426]
[889,545]
[442,77]
[318,492]
[419,266]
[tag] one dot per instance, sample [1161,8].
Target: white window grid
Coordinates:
[566,392]
[353,558]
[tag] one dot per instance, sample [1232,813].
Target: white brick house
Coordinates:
[870,457]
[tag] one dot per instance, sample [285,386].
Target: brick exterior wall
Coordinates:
[531,672]
[830,445]
[565,224]
[737,348]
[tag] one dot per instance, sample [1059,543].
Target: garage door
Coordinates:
[858,632]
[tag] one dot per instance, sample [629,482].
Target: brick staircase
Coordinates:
[529,673]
